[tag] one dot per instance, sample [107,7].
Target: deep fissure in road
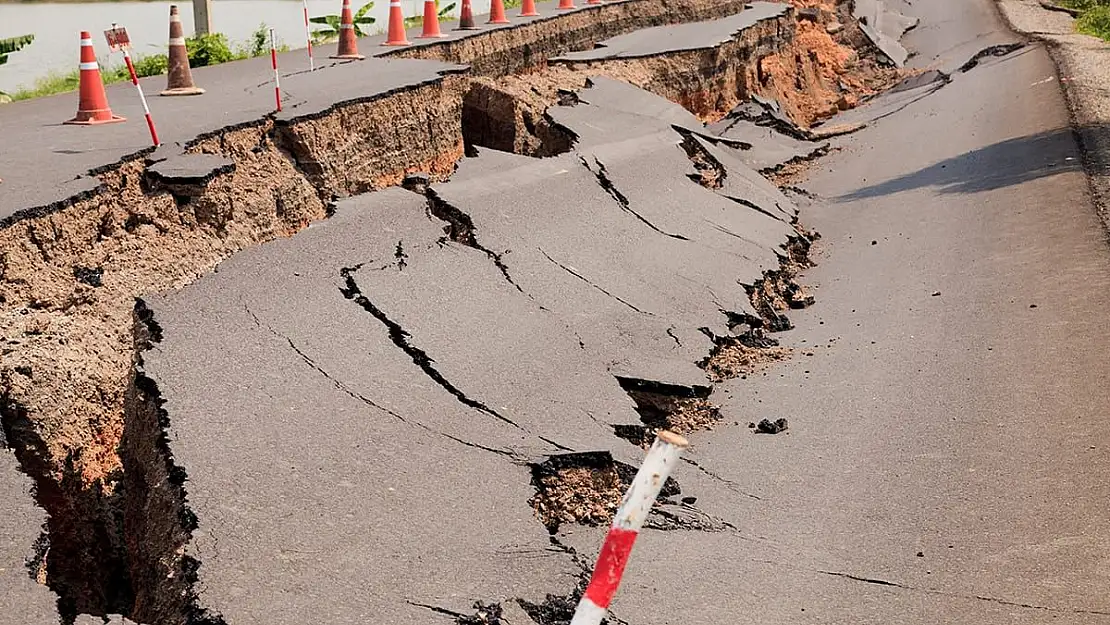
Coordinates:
[83,419]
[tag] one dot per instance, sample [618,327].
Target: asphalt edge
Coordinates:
[1089,125]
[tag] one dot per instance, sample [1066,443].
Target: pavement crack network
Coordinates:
[959,595]
[596,286]
[362,398]
[401,338]
[602,175]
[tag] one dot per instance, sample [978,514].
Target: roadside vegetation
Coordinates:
[1094,16]
[204,50]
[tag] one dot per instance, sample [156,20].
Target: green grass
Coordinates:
[211,49]
[1095,21]
[62,82]
[1094,16]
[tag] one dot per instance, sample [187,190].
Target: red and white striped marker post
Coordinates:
[634,508]
[308,36]
[277,77]
[118,40]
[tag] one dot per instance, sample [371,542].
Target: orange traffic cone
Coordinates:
[431,21]
[179,78]
[348,43]
[497,12]
[396,25]
[466,17]
[528,8]
[92,105]
[566,4]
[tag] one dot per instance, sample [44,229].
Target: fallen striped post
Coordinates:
[634,508]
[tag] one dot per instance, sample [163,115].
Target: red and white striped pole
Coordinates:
[308,36]
[277,77]
[634,508]
[142,98]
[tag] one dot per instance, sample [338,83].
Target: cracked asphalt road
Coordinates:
[356,406]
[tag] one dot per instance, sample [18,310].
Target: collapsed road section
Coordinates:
[165,460]
[360,366]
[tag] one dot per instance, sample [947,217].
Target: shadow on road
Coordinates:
[1003,164]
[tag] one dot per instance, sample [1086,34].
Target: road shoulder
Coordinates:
[1081,62]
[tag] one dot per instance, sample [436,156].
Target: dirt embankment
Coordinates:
[528,47]
[68,279]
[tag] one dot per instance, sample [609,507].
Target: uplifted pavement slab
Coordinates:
[884,27]
[902,95]
[22,600]
[631,111]
[679,37]
[292,405]
[767,148]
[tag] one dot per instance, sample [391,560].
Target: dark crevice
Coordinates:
[670,333]
[958,595]
[594,285]
[460,229]
[401,256]
[158,519]
[753,206]
[711,172]
[400,338]
[494,117]
[681,391]
[997,50]
[606,183]
[681,409]
[81,550]
[583,488]
[484,613]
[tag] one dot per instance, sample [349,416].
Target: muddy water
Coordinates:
[57,26]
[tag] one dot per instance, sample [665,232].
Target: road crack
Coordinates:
[594,285]
[602,175]
[401,338]
[366,400]
[959,595]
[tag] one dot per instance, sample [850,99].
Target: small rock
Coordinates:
[1032,305]
[92,276]
[834,27]
[689,500]
[766,426]
[874,242]
[921,554]
[751,425]
[936,293]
